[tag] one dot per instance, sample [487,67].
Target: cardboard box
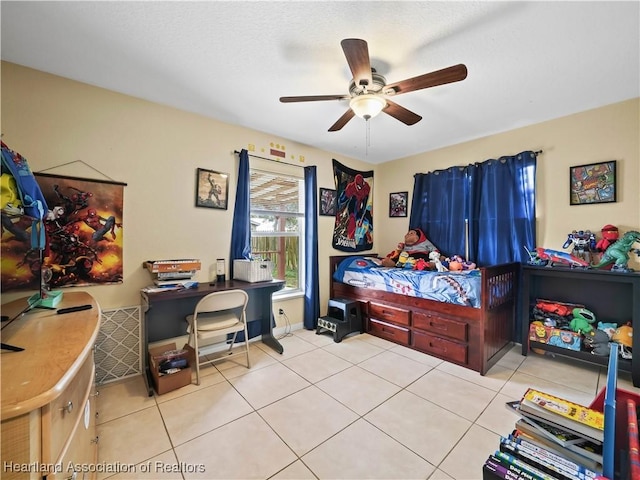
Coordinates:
[166,383]
[555,336]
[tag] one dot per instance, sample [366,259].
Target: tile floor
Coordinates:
[364,408]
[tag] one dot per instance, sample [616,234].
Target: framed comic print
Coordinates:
[327,202]
[212,189]
[592,183]
[398,204]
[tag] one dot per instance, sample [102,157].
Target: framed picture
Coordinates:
[592,183]
[327,202]
[398,204]
[212,189]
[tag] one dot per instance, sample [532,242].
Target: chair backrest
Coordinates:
[225,300]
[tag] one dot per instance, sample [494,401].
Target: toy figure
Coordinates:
[583,241]
[609,236]
[545,256]
[618,252]
[416,245]
[434,256]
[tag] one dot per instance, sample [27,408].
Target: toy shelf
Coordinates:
[611,296]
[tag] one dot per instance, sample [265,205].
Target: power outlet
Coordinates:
[281,311]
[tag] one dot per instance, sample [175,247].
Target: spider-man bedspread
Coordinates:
[460,288]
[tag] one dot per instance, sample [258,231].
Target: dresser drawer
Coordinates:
[62,414]
[440,325]
[440,347]
[389,314]
[393,333]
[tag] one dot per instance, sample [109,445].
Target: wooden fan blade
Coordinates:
[342,121]
[313,98]
[400,113]
[433,79]
[357,54]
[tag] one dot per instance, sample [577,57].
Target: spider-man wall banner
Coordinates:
[353,231]
[84,236]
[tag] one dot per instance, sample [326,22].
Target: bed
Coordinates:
[466,318]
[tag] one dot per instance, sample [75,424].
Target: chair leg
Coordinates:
[195,341]
[233,341]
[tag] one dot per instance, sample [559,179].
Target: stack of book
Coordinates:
[553,439]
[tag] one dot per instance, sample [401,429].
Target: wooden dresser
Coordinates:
[48,402]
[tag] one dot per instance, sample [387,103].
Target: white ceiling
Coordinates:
[528,61]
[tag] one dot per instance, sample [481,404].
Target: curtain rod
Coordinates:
[270,159]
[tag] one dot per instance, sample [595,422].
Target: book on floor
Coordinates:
[574,446]
[576,418]
[580,461]
[562,436]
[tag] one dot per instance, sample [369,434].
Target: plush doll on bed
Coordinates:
[415,244]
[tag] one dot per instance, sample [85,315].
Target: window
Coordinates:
[277,221]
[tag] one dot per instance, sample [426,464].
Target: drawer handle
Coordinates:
[68,408]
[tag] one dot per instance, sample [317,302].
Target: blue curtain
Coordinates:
[312,283]
[241,231]
[241,228]
[502,220]
[495,197]
[440,206]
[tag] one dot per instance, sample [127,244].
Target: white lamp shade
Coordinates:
[367,106]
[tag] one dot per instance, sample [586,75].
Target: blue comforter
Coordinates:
[460,288]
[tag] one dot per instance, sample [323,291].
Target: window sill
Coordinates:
[287,295]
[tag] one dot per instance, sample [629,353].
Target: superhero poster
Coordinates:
[353,231]
[84,237]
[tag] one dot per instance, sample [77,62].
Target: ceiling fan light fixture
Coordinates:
[367,106]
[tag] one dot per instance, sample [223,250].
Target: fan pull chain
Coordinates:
[367,137]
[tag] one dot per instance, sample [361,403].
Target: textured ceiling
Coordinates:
[528,61]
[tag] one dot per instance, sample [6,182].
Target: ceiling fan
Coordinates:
[369,91]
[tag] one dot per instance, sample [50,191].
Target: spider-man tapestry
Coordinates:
[353,230]
[84,236]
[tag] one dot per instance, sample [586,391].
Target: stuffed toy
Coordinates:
[582,321]
[458,263]
[434,256]
[608,327]
[598,343]
[415,244]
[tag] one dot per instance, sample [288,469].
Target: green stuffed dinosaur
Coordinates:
[618,252]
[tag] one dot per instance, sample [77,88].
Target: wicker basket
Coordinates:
[252,270]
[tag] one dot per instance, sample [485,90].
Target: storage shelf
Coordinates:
[612,296]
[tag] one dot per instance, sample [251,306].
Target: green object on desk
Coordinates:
[47,300]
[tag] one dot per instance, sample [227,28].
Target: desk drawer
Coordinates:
[61,415]
[390,332]
[389,314]
[440,347]
[439,325]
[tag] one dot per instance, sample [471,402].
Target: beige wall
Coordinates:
[608,133]
[156,150]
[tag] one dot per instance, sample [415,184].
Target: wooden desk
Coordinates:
[164,313]
[47,415]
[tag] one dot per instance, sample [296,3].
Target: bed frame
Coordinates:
[475,338]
